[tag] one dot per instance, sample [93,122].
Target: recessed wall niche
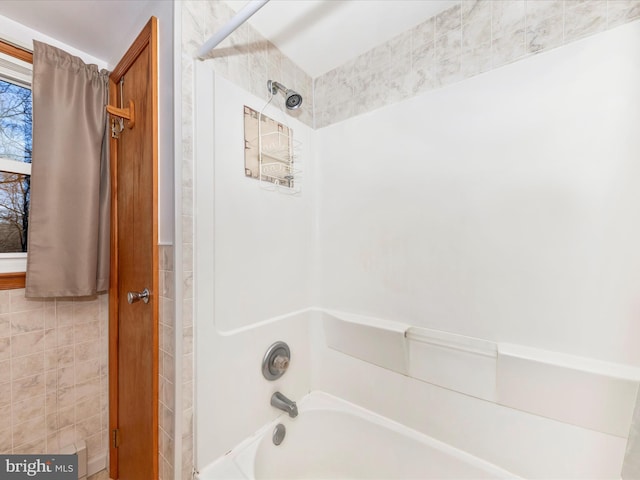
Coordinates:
[269,152]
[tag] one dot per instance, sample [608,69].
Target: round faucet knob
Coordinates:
[280,363]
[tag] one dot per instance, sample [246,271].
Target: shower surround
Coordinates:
[435,59]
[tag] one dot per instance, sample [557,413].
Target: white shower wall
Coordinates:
[252,268]
[499,208]
[502,207]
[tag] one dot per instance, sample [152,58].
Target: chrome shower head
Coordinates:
[292,99]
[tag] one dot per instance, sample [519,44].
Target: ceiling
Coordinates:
[319,35]
[101,28]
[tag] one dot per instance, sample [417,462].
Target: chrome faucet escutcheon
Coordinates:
[281,402]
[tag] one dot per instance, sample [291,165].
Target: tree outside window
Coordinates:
[15,146]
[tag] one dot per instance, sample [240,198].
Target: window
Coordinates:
[15,158]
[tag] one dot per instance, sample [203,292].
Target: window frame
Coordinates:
[13,265]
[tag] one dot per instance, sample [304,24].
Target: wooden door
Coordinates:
[133,343]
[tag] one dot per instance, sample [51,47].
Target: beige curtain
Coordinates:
[68,245]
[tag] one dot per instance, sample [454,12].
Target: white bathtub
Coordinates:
[333,439]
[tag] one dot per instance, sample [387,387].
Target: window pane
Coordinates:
[15,122]
[14,211]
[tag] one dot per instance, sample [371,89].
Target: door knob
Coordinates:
[133,297]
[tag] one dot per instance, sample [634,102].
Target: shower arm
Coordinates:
[238,19]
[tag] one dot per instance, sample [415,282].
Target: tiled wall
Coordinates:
[245,57]
[166,365]
[53,373]
[187,354]
[468,39]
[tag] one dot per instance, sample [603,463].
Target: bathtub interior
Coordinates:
[332,438]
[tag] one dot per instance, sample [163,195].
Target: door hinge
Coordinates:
[116,437]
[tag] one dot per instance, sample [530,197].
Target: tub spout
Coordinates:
[281,402]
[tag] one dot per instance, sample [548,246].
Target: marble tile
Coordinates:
[544,34]
[6,441]
[537,10]
[168,471]
[380,58]
[167,312]
[66,436]
[167,418]
[187,201]
[87,427]
[52,420]
[5,325]
[187,395]
[449,45]
[85,332]
[66,397]
[64,336]
[52,446]
[167,286]
[87,389]
[187,368]
[622,11]
[50,317]
[187,228]
[475,10]
[66,356]
[167,394]
[187,288]
[32,447]
[448,20]
[187,340]
[507,16]
[5,372]
[5,348]
[400,46]
[167,447]
[582,19]
[166,251]
[187,313]
[187,259]
[66,377]
[26,343]
[167,340]
[508,48]
[449,71]
[19,303]
[187,422]
[66,417]
[5,419]
[84,312]
[30,431]
[27,321]
[50,339]
[87,370]
[169,366]
[398,80]
[27,409]
[5,301]
[64,315]
[27,366]
[87,350]
[476,33]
